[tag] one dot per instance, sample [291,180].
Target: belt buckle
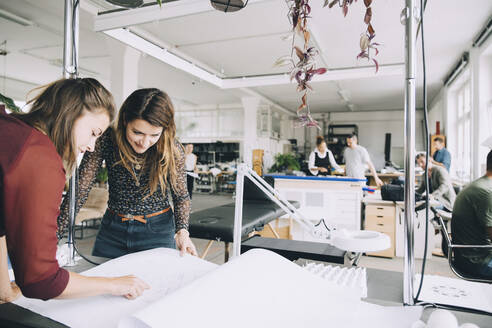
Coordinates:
[129,216]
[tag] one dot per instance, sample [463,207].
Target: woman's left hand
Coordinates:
[184,243]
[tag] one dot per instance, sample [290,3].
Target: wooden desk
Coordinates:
[388,177]
[380,220]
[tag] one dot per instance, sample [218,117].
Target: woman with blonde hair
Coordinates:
[36,150]
[145,165]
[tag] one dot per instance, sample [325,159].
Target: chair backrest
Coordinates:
[97,198]
[448,249]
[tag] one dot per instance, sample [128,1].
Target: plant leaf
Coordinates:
[9,103]
[283,61]
[368,16]
[307,36]
[326,3]
[377,64]
[299,53]
[345,10]
[320,71]
[367,2]
[332,3]
[370,30]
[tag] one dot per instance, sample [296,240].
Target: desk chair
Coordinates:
[449,247]
[92,211]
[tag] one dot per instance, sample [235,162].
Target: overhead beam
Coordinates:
[149,48]
[174,9]
[331,75]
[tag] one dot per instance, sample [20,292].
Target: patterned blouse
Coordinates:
[126,195]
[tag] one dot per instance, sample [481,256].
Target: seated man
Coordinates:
[441,157]
[440,186]
[472,224]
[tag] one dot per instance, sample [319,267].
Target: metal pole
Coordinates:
[238,213]
[70,51]
[410,16]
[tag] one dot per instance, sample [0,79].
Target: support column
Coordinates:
[475,113]
[250,141]
[124,70]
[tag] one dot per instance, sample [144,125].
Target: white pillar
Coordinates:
[475,112]
[124,70]
[250,105]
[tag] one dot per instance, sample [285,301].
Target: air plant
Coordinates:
[366,38]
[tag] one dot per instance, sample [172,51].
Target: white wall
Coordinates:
[227,123]
[479,72]
[372,129]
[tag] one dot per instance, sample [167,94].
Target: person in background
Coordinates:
[146,165]
[36,151]
[441,156]
[440,185]
[356,159]
[190,166]
[321,159]
[471,224]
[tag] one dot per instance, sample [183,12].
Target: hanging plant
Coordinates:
[366,38]
[303,64]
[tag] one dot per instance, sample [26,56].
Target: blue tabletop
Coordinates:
[324,178]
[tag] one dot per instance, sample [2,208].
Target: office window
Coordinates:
[461,168]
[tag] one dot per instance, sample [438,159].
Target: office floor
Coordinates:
[435,265]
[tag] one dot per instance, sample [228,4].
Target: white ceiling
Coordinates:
[245,43]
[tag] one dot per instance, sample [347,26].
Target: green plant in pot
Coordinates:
[102,176]
[9,103]
[285,163]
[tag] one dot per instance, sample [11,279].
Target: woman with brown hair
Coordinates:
[145,164]
[36,150]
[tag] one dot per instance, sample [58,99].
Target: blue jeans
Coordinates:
[486,270]
[117,238]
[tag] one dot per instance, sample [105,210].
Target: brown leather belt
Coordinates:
[139,218]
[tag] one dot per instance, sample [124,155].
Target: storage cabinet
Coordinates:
[382,219]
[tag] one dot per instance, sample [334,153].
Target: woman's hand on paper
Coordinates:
[11,293]
[184,243]
[129,286]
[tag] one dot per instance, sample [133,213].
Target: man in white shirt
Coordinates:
[356,159]
[321,159]
[190,166]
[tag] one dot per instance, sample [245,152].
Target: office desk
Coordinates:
[388,177]
[395,229]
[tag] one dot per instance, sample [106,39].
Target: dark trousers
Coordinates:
[189,182]
[117,238]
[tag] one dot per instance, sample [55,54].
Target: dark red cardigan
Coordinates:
[32,178]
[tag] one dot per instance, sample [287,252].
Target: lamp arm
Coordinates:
[244,171]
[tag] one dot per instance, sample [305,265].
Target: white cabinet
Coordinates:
[337,200]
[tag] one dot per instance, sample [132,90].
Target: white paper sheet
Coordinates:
[163,269]
[456,292]
[259,289]
[262,289]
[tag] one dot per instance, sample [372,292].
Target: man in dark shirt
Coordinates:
[472,224]
[441,156]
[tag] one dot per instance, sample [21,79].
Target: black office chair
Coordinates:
[448,249]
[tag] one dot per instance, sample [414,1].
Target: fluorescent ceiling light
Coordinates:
[135,41]
[14,18]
